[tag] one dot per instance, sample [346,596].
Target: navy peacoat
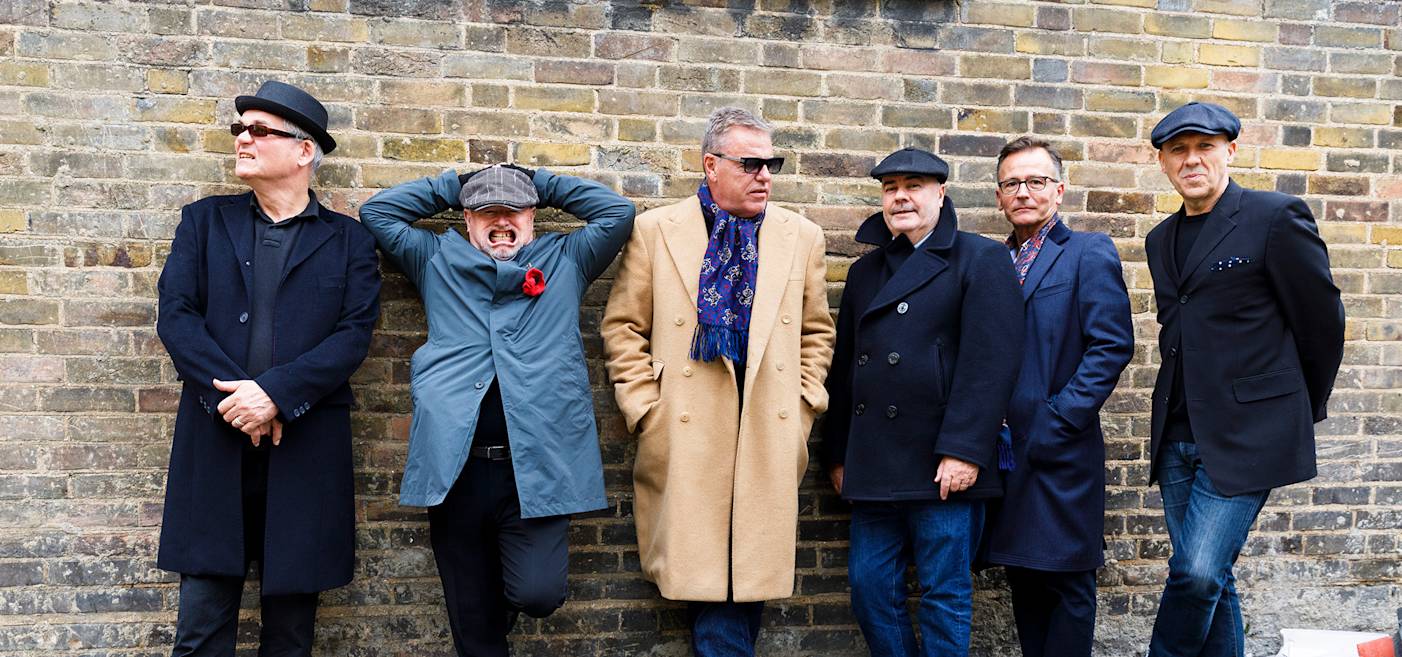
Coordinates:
[326,308]
[1079,338]
[924,364]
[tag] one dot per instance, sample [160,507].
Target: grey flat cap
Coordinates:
[499,185]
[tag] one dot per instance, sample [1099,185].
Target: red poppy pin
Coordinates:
[535,282]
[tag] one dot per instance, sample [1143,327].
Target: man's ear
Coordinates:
[307,154]
[1231,151]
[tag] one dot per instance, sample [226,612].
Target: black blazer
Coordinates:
[326,308]
[924,365]
[1256,320]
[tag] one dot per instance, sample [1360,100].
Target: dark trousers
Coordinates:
[494,563]
[1055,612]
[724,629]
[207,623]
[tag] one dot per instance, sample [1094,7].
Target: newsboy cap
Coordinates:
[912,161]
[498,185]
[1205,118]
[289,102]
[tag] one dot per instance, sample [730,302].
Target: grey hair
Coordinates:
[725,118]
[1026,144]
[299,133]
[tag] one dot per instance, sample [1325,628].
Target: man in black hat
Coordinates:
[1251,339]
[927,353]
[267,302]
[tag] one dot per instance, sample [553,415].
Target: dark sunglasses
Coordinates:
[752,164]
[258,130]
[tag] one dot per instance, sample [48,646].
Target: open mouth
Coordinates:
[505,237]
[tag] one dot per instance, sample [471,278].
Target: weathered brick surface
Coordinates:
[109,122]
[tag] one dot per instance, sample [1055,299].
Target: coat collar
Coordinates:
[1222,222]
[923,264]
[1052,249]
[685,237]
[238,219]
[874,230]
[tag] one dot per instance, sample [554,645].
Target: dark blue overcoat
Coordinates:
[924,364]
[1078,339]
[326,308]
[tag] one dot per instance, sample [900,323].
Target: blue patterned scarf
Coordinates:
[726,293]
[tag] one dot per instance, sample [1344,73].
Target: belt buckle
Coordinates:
[497,453]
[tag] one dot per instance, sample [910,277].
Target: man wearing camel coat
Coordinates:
[717,470]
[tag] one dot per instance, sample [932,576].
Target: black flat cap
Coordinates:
[289,102]
[1204,118]
[912,161]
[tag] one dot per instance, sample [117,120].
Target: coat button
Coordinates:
[779,366]
[686,371]
[1183,299]
[783,413]
[891,412]
[686,417]
[786,319]
[478,385]
[862,360]
[1172,351]
[861,408]
[902,307]
[243,319]
[893,358]
[679,321]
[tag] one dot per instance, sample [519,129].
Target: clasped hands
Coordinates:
[250,410]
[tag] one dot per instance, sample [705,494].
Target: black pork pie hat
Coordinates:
[293,104]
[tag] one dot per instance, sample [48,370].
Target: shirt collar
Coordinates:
[310,212]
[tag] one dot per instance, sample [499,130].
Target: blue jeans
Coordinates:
[1199,613]
[942,537]
[724,629]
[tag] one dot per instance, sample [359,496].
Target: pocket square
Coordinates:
[1228,263]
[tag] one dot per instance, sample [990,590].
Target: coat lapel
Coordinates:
[237,218]
[1217,229]
[1051,250]
[314,234]
[776,255]
[924,264]
[1166,254]
[685,237]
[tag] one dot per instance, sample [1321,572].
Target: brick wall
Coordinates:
[110,120]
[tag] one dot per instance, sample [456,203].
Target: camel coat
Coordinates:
[716,490]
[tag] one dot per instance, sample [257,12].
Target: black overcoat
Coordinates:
[326,307]
[1257,322]
[924,364]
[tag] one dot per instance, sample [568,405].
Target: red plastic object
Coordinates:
[1376,648]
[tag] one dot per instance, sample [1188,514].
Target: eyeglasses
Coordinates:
[1034,184]
[752,164]
[259,130]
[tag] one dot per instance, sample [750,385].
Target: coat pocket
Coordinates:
[1266,386]
[657,370]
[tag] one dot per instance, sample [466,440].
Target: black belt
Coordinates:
[491,452]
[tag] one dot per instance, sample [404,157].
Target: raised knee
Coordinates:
[536,599]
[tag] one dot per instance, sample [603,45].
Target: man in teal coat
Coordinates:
[503,445]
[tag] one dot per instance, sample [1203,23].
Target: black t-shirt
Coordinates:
[1177,426]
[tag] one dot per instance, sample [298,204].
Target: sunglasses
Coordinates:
[752,164]
[259,130]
